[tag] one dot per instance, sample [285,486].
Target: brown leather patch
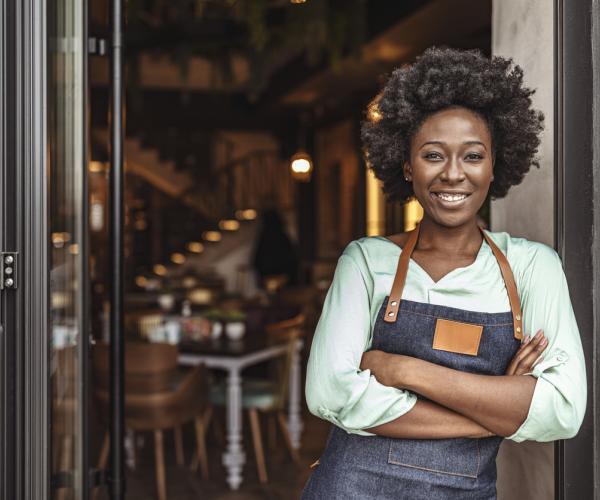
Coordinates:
[455,336]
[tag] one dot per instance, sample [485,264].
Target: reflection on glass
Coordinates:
[66,162]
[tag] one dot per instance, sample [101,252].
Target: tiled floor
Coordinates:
[286,479]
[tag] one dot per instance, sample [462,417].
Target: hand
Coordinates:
[387,368]
[525,358]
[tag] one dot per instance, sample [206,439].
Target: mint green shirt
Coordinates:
[338,391]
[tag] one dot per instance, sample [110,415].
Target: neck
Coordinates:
[466,238]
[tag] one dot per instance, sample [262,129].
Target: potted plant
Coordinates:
[235,326]
[215,316]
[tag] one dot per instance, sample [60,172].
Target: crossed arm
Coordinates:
[460,404]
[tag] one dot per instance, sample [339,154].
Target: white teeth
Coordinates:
[451,197]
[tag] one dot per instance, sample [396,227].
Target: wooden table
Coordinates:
[233,357]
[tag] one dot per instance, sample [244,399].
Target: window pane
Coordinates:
[66,128]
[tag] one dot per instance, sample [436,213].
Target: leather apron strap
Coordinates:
[393,306]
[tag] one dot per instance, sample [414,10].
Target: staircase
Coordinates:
[253,181]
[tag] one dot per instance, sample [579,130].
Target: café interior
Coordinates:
[244,181]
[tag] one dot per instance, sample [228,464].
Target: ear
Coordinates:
[407,171]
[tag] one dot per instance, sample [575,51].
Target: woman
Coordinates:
[470,334]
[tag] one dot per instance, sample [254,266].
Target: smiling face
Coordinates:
[451,165]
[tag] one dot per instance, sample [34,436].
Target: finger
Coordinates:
[513,362]
[526,347]
[523,345]
[528,361]
[527,350]
[529,346]
[526,364]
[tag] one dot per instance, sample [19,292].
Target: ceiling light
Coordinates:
[141,281]
[195,247]
[229,225]
[177,258]
[160,270]
[211,236]
[247,214]
[301,166]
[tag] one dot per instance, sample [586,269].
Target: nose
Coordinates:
[453,171]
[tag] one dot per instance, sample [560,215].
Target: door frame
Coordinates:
[25,425]
[24,312]
[25,339]
[577,198]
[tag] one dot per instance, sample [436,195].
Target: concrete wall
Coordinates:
[524,31]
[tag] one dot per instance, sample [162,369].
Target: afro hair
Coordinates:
[442,78]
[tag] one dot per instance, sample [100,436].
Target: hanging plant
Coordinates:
[267,33]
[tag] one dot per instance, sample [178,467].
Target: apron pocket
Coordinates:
[457,457]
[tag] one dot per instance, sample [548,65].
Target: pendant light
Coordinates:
[301,164]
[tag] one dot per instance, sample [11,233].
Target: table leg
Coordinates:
[129,445]
[234,457]
[295,424]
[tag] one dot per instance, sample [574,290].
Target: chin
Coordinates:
[453,220]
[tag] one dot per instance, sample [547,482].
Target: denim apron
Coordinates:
[363,467]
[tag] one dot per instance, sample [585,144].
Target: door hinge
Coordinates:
[96,46]
[8,270]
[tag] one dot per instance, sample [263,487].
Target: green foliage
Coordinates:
[266,32]
[230,315]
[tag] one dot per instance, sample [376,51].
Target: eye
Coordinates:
[474,156]
[432,155]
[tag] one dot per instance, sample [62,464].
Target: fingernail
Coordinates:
[527,339]
[538,334]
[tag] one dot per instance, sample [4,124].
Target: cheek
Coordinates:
[483,176]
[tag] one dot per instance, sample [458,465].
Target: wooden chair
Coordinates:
[269,395]
[158,397]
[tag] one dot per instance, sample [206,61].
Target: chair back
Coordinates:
[148,367]
[157,394]
[288,331]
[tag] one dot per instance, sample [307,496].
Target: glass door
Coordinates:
[67,209]
[43,213]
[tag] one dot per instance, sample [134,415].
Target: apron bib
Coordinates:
[364,467]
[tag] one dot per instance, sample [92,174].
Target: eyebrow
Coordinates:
[442,143]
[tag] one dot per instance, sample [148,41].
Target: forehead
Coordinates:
[454,125]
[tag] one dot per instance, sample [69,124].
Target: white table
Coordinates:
[233,357]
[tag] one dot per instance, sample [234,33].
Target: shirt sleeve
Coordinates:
[336,389]
[560,394]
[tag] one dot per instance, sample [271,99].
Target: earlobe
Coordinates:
[407,172]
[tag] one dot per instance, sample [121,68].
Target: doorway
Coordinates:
[54,200]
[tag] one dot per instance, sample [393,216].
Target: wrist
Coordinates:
[405,369]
